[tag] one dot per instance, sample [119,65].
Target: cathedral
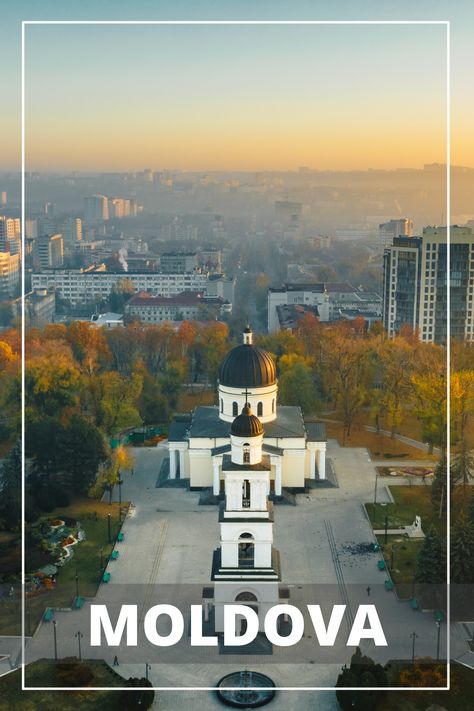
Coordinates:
[200,443]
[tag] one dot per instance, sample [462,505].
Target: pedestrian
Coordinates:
[368,590]
[116,662]
[133,471]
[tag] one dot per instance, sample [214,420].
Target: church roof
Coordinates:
[316,431]
[246,424]
[247,366]
[207,424]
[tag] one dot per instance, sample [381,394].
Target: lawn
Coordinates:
[405,552]
[92,515]
[410,501]
[43,673]
[379,445]
[188,400]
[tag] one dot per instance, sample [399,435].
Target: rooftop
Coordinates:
[289,423]
[186,298]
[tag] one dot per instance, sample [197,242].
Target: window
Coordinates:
[273,405]
[260,409]
[222,405]
[235,409]
[246,453]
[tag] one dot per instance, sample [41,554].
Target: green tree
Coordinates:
[170,384]
[462,551]
[363,672]
[82,451]
[431,561]
[113,400]
[120,293]
[430,394]
[42,439]
[296,384]
[462,467]
[10,488]
[439,488]
[138,699]
[153,405]
[470,509]
[6,314]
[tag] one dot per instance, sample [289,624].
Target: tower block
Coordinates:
[246,566]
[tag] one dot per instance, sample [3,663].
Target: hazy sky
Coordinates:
[243,97]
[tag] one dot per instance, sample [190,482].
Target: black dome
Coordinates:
[247,366]
[246,424]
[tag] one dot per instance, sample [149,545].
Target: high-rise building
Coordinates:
[388,231]
[3,197]
[71,230]
[10,234]
[96,207]
[49,252]
[122,207]
[415,284]
[9,274]
[31,227]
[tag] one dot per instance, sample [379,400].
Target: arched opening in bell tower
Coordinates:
[246,550]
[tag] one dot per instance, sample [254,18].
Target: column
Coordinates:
[312,462]
[278,477]
[181,464]
[322,462]
[172,463]
[216,485]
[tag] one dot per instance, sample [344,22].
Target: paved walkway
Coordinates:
[323,541]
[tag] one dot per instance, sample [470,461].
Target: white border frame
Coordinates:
[447,25]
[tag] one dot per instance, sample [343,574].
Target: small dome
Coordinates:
[246,424]
[247,366]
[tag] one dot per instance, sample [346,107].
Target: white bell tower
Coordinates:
[246,566]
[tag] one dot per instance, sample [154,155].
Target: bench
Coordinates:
[106,577]
[381,565]
[414,603]
[389,585]
[115,555]
[78,602]
[49,614]
[120,536]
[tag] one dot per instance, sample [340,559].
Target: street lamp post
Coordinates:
[55,641]
[108,526]
[120,482]
[438,625]
[414,637]
[77,583]
[79,635]
[147,669]
[375,488]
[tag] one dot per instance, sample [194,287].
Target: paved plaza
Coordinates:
[169,539]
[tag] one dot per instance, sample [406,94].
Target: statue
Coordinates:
[415,530]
